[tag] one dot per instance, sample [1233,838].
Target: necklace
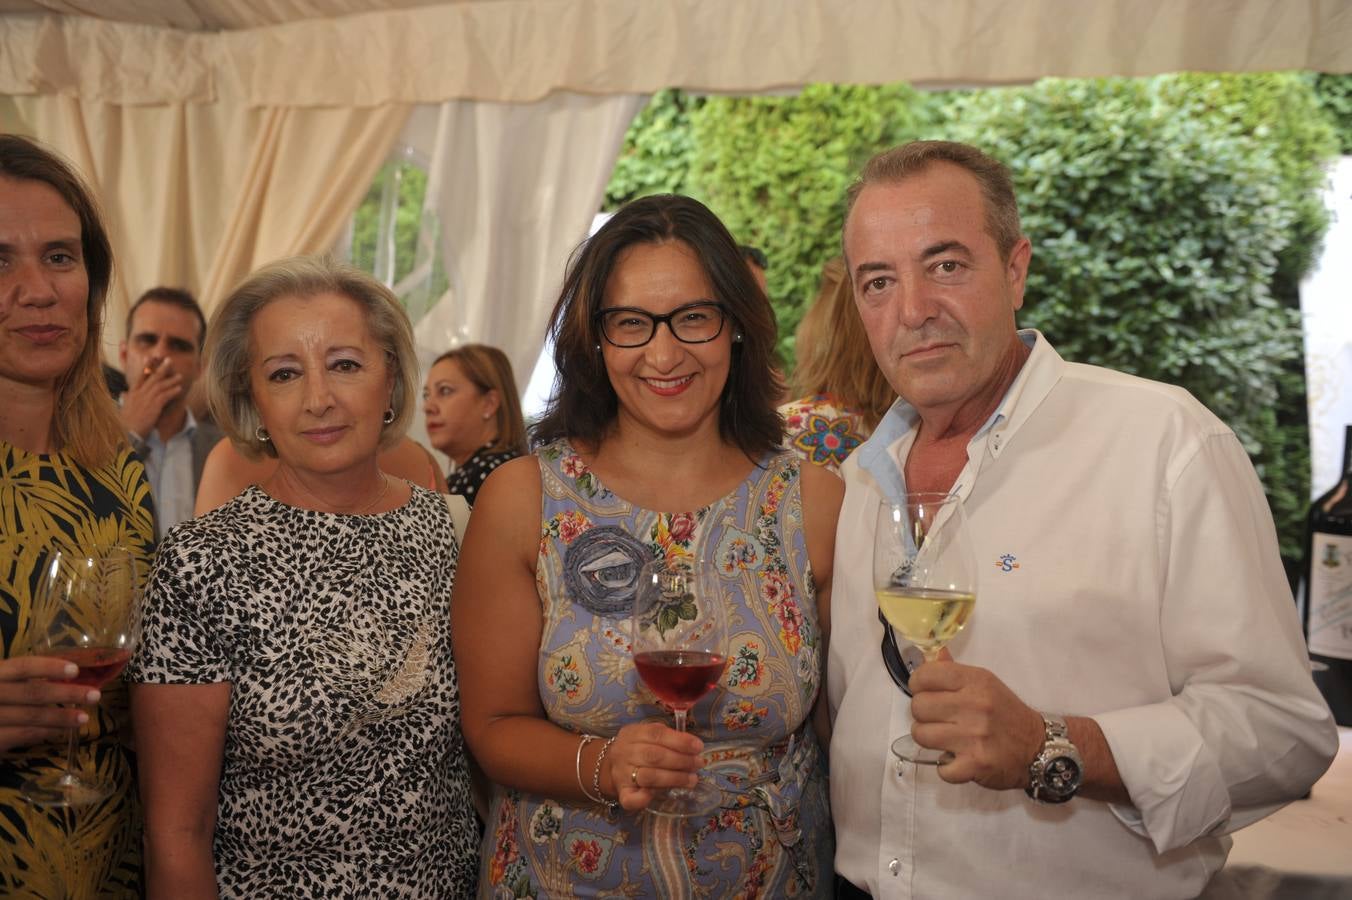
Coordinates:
[384,489]
[323,507]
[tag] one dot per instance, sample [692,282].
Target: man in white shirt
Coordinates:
[1133,684]
[162,357]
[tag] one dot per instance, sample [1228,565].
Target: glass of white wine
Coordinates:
[924,576]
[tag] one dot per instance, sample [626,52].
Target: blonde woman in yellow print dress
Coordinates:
[69,482]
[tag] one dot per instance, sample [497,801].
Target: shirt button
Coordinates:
[894,866]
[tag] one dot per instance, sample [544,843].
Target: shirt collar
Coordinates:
[1040,371]
[187,431]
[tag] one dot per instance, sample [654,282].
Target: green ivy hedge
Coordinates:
[1171,218]
[1335,96]
[1157,230]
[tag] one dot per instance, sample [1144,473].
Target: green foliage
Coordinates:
[1156,230]
[409,182]
[776,169]
[1282,112]
[658,150]
[1171,218]
[1335,97]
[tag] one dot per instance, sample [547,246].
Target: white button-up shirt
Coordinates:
[169,470]
[1128,571]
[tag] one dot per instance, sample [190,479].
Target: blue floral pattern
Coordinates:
[822,430]
[772,836]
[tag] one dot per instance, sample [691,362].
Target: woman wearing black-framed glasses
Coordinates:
[661,442]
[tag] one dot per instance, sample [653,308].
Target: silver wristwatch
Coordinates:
[1055,774]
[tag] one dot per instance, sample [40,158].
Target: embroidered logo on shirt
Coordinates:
[1006,563]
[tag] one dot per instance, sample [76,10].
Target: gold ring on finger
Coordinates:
[633,777]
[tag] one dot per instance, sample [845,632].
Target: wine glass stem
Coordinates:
[680,719]
[72,741]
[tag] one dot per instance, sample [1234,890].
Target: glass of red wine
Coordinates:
[678,633]
[91,613]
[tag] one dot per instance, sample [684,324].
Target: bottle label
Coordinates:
[1331,595]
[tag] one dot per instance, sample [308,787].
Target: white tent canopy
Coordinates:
[373,52]
[222,134]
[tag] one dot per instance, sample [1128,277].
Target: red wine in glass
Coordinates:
[680,677]
[98,665]
[677,631]
[88,607]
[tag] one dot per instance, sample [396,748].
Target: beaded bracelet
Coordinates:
[577,766]
[610,805]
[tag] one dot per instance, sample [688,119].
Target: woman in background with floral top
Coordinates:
[841,393]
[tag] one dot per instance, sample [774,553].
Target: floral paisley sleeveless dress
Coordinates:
[772,836]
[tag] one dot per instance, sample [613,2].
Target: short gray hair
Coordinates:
[227,346]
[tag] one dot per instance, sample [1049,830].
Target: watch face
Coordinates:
[1062,775]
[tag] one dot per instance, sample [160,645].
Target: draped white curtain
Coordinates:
[512,189]
[1327,311]
[199,195]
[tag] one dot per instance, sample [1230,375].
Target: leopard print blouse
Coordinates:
[344,770]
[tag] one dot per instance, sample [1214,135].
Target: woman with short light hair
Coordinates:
[296,702]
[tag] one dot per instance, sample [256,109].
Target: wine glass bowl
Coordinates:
[924,579]
[90,615]
[678,635]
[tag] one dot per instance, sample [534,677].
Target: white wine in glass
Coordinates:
[924,578]
[89,607]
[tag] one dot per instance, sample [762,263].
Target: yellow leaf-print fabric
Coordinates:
[48,502]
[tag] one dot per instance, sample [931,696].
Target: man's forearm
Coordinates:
[1102,781]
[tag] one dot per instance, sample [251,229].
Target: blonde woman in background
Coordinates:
[295,700]
[473,414]
[841,394]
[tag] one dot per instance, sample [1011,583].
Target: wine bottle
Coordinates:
[1328,596]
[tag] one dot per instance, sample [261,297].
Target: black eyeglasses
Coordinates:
[693,323]
[900,663]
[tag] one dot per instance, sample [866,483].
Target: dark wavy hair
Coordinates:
[584,404]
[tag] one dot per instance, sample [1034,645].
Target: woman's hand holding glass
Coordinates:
[647,760]
[924,578]
[678,634]
[88,608]
[34,688]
